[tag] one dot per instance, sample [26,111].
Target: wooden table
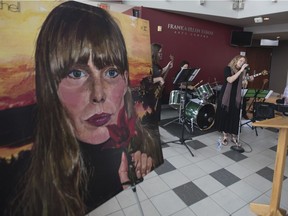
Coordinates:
[273,209]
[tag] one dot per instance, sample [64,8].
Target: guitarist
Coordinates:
[158,75]
[245,80]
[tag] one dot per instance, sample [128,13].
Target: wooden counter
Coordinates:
[273,209]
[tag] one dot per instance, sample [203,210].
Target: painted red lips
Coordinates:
[98,120]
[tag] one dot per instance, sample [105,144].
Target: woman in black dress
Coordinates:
[229,100]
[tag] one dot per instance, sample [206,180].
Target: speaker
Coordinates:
[263,110]
[136,12]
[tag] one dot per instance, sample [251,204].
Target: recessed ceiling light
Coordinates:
[258,19]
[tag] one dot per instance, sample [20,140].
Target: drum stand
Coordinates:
[182,110]
[182,102]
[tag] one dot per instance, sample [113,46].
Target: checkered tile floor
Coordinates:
[213,182]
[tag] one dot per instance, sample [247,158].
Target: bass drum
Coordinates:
[202,115]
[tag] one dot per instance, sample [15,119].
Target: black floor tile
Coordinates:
[164,145]
[225,177]
[268,173]
[189,193]
[276,130]
[164,168]
[234,155]
[196,144]
[274,148]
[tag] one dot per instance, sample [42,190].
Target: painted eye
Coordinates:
[77,74]
[112,72]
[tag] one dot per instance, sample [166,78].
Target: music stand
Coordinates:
[185,76]
[255,93]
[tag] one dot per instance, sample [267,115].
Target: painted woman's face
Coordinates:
[240,62]
[93,97]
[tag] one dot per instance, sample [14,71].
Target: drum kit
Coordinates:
[199,111]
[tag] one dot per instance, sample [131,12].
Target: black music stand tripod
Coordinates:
[255,93]
[184,76]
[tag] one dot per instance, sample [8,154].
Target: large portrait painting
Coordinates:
[73,95]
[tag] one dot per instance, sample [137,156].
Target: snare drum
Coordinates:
[202,115]
[205,91]
[175,98]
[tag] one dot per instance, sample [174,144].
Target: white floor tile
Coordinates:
[245,211]
[208,184]
[251,164]
[196,158]
[179,161]
[192,172]
[128,197]
[208,152]
[167,203]
[258,182]
[245,191]
[169,152]
[145,208]
[154,186]
[228,200]
[208,166]
[184,212]
[109,207]
[174,178]
[222,160]
[238,170]
[208,207]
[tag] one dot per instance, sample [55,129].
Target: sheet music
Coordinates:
[176,78]
[191,78]
[184,75]
[269,94]
[258,93]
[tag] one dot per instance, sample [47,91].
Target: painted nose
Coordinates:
[98,93]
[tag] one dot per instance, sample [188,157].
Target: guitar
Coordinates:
[183,85]
[159,88]
[248,77]
[264,72]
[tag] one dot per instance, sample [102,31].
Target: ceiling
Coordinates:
[276,19]
[224,11]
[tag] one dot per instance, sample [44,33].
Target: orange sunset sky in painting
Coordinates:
[18,35]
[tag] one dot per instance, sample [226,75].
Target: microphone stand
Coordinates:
[238,147]
[133,179]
